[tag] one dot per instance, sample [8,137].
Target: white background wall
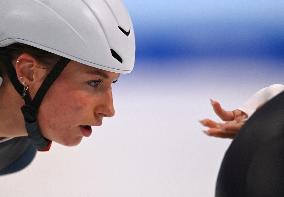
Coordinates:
[154,147]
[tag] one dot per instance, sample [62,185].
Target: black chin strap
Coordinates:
[30,109]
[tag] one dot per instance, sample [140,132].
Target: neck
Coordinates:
[11,118]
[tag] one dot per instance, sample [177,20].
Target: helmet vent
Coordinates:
[115,55]
[123,31]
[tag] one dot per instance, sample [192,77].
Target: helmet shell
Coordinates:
[85,31]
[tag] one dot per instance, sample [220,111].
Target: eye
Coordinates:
[95,83]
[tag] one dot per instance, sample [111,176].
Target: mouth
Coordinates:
[86,130]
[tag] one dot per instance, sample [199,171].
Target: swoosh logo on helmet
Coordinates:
[123,31]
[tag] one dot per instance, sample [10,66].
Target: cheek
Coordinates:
[61,111]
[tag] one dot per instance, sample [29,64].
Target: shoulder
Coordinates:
[15,154]
[254,161]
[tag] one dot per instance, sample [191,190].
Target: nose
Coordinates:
[107,108]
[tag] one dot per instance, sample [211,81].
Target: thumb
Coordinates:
[223,114]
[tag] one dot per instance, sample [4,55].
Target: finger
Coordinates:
[209,123]
[239,115]
[232,126]
[223,114]
[220,133]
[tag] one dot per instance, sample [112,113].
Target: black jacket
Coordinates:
[253,165]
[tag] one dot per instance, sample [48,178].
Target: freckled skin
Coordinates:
[71,102]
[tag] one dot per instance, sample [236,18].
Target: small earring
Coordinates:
[26,88]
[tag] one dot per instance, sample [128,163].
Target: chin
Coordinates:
[71,142]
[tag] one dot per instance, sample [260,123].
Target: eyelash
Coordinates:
[95,83]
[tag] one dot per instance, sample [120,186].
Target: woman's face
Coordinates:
[79,98]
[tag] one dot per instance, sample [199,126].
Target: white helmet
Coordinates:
[98,33]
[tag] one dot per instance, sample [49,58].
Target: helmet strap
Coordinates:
[30,108]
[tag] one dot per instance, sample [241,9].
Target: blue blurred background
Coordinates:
[196,29]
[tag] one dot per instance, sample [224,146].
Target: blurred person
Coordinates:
[234,120]
[253,165]
[58,61]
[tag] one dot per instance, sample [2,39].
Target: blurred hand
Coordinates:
[233,121]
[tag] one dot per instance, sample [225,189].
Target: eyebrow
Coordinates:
[100,73]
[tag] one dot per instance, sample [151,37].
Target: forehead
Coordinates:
[84,69]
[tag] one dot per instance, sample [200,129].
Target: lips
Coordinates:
[86,130]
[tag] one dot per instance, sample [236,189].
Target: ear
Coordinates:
[28,70]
